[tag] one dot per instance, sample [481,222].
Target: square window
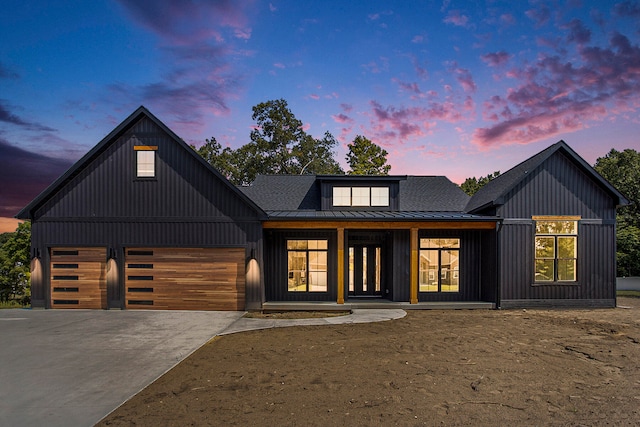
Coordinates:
[379,196]
[361,196]
[341,196]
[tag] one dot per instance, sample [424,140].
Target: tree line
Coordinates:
[279,145]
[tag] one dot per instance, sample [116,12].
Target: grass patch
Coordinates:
[630,294]
[12,304]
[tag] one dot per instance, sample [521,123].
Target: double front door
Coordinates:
[365,270]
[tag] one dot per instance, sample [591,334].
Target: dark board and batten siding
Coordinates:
[276,266]
[105,205]
[557,187]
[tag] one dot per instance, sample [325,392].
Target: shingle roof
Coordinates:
[494,191]
[298,196]
[284,192]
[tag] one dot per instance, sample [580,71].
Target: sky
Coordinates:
[454,88]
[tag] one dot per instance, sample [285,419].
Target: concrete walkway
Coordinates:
[357,316]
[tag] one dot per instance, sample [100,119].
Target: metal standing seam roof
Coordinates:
[377,215]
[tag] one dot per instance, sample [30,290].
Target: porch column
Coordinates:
[340,266]
[414,267]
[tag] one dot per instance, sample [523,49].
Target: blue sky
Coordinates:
[455,88]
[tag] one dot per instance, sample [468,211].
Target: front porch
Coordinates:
[374,304]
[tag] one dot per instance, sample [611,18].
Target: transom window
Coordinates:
[145,161]
[556,250]
[307,265]
[439,265]
[360,196]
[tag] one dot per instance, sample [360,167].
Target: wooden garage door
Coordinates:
[78,278]
[185,278]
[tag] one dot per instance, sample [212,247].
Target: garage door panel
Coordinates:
[185,278]
[78,278]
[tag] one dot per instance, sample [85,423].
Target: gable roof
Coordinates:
[495,191]
[76,168]
[299,196]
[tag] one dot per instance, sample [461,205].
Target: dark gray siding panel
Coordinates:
[558,187]
[596,266]
[275,266]
[470,268]
[108,187]
[488,267]
[401,286]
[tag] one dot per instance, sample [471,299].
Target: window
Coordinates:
[439,265]
[556,250]
[361,196]
[341,196]
[307,265]
[145,161]
[379,196]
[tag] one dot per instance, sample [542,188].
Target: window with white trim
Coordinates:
[556,250]
[145,161]
[361,196]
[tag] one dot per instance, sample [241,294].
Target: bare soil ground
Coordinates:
[463,367]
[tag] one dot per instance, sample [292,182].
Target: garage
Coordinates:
[78,278]
[185,278]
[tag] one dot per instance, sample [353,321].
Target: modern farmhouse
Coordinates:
[143,222]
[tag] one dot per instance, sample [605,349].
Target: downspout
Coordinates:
[498,256]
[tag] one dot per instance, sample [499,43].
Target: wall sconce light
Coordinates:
[35,253]
[253,253]
[113,254]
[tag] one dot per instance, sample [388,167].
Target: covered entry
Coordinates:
[78,278]
[185,278]
[367,269]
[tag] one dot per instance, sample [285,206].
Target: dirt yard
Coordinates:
[520,367]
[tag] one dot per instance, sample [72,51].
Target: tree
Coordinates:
[315,156]
[366,158]
[622,170]
[221,159]
[15,267]
[472,185]
[279,145]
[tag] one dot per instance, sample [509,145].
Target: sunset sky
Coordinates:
[455,88]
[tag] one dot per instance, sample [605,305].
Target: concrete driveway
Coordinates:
[73,367]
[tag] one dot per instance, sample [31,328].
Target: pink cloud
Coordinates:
[314,96]
[456,18]
[507,19]
[346,107]
[556,96]
[496,59]
[464,77]
[342,118]
[540,15]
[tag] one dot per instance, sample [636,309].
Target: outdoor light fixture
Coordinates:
[35,253]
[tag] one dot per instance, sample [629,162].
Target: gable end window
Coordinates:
[145,161]
[556,249]
[361,196]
